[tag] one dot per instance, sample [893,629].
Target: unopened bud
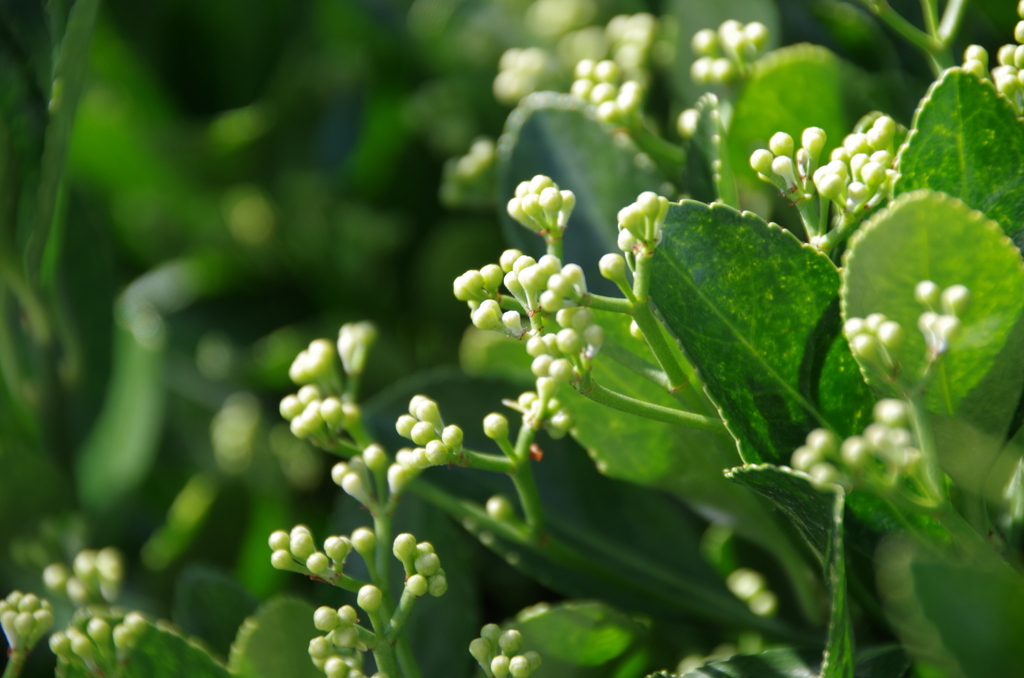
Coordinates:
[369,598]
[495,426]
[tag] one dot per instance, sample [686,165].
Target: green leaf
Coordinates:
[968,141]
[483,353]
[121,447]
[780,663]
[930,236]
[579,634]
[560,136]
[962,612]
[211,605]
[757,313]
[274,643]
[789,90]
[161,653]
[816,511]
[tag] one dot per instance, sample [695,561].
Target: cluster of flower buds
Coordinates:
[860,174]
[540,206]
[726,55]
[540,409]
[341,633]
[296,551]
[566,355]
[520,72]
[498,653]
[100,644]
[354,342]
[640,223]
[750,587]
[437,444]
[788,168]
[311,416]
[598,83]
[423,572]
[354,477]
[468,178]
[1008,76]
[631,37]
[316,365]
[24,617]
[818,456]
[93,576]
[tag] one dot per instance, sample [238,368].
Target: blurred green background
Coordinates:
[242,177]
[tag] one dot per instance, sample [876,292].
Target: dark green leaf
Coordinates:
[781,663]
[789,90]
[211,605]
[816,511]
[560,136]
[274,643]
[757,313]
[963,612]
[968,141]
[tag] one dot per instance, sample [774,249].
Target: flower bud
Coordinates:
[688,122]
[500,508]
[291,407]
[427,564]
[335,667]
[510,642]
[492,276]
[427,411]
[594,336]
[279,539]
[956,299]
[55,577]
[804,458]
[499,666]
[927,293]
[337,548]
[549,301]
[783,167]
[824,473]
[947,327]
[438,453]
[781,144]
[874,321]
[353,485]
[423,432]
[823,440]
[495,426]
[326,619]
[318,564]
[761,161]
[319,647]
[398,478]
[98,629]
[60,645]
[124,639]
[540,365]
[519,667]
[301,543]
[569,341]
[705,43]
[813,139]
[332,412]
[369,598]
[487,316]
[437,585]
[561,370]
[364,541]
[404,425]
[452,436]
[546,388]
[855,451]
[80,644]
[865,347]
[976,53]
[763,604]
[745,583]
[282,560]
[890,333]
[482,650]
[376,458]
[508,259]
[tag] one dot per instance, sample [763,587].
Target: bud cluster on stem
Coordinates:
[598,83]
[726,55]
[498,653]
[98,642]
[24,618]
[542,207]
[94,576]
[752,588]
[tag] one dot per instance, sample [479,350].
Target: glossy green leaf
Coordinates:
[816,512]
[578,634]
[274,643]
[560,136]
[961,612]
[930,236]
[968,141]
[210,605]
[789,90]
[757,313]
[160,653]
[780,663]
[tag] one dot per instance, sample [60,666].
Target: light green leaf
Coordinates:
[560,136]
[930,236]
[210,605]
[780,663]
[579,634]
[789,90]
[968,141]
[816,511]
[757,314]
[274,643]
[962,612]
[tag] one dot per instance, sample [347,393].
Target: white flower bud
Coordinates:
[500,508]
[783,167]
[823,440]
[976,53]
[874,321]
[626,241]
[745,583]
[539,182]
[701,70]
[804,458]
[763,604]
[927,293]
[594,336]
[705,43]
[291,407]
[856,143]
[781,144]
[354,487]
[890,333]
[956,299]
[369,598]
[761,161]
[865,346]
[279,539]
[540,365]
[855,451]
[364,541]
[560,370]
[398,478]
[687,123]
[338,472]
[423,432]
[337,548]
[495,426]
[508,259]
[569,341]
[858,192]
[376,458]
[301,543]
[947,327]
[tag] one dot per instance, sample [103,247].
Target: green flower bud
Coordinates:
[338,472]
[508,259]
[80,644]
[549,301]
[417,585]
[804,458]
[337,548]
[813,139]
[824,473]
[291,407]
[976,53]
[452,436]
[688,122]
[865,347]
[781,144]
[873,174]
[560,423]
[364,541]
[427,564]
[761,161]
[495,426]
[28,603]
[976,68]
[369,598]
[722,70]
[500,508]
[423,432]
[519,667]
[757,33]
[279,540]
[55,577]
[42,620]
[745,583]
[927,293]
[782,166]
[335,667]
[874,321]
[492,275]
[510,642]
[438,453]
[404,425]
[282,560]
[398,478]
[487,316]
[426,410]
[855,451]
[560,285]
[404,547]
[533,659]
[561,370]
[891,412]
[318,564]
[856,143]
[701,70]
[319,647]
[499,666]
[569,341]
[584,69]
[832,186]
[60,645]
[346,637]
[540,365]
[824,441]
[764,604]
[84,565]
[332,412]
[437,585]
[705,43]
[491,632]
[956,299]
[326,619]
[890,333]
[376,458]
[302,545]
[418,459]
[546,388]
[1018,32]
[482,651]
[947,327]
[97,628]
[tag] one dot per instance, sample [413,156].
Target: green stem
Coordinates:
[642,278]
[809,215]
[554,246]
[486,462]
[951,19]
[526,486]
[847,225]
[405,605]
[635,363]
[937,52]
[382,528]
[383,652]
[643,316]
[15,662]
[343,581]
[612,304]
[617,401]
[930,11]
[359,433]
[510,303]
[926,441]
